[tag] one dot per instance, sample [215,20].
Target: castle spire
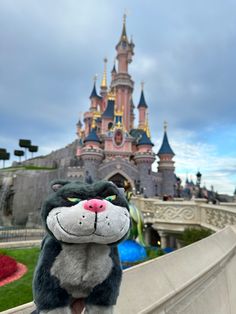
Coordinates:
[123,34]
[142,101]
[165,147]
[94,90]
[104,77]
[142,108]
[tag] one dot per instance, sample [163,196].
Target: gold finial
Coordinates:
[93,124]
[147,126]
[165,126]
[142,85]
[104,77]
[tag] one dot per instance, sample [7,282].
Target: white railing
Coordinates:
[184,213]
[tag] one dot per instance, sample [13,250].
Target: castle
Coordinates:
[110,146]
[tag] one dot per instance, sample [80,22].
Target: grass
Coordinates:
[20,291]
[29,167]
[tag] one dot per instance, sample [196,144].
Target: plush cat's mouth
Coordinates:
[70,233]
[77,225]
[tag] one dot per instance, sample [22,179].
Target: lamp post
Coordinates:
[178,186]
[199,177]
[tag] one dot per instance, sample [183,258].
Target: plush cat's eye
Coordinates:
[110,198]
[74,200]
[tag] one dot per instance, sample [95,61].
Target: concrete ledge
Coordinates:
[20,244]
[197,279]
[26,308]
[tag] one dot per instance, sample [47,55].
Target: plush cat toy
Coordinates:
[79,259]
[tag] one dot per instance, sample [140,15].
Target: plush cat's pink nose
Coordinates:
[95,205]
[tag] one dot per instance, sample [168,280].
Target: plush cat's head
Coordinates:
[86,213]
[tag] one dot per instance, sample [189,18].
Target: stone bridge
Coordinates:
[197,279]
[171,217]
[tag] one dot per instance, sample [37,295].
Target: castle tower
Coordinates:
[142,108]
[122,83]
[144,157]
[79,126]
[91,155]
[166,166]
[95,105]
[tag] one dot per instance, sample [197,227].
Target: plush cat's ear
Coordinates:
[57,184]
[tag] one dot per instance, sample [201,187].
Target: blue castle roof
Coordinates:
[142,101]
[165,147]
[94,92]
[109,111]
[92,137]
[113,69]
[145,140]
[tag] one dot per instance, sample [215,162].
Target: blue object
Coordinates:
[168,250]
[130,252]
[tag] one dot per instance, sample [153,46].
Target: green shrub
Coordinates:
[191,235]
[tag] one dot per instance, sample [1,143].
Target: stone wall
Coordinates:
[30,188]
[59,158]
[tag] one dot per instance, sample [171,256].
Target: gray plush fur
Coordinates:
[79,257]
[87,265]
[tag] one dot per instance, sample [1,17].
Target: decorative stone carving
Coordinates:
[219,218]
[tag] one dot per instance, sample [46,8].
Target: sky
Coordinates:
[184,52]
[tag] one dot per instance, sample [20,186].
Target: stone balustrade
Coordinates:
[177,215]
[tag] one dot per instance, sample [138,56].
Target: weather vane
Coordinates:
[142,85]
[95,78]
[165,125]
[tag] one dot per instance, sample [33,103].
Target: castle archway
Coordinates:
[119,179]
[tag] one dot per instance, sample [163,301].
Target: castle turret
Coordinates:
[94,110]
[92,155]
[166,166]
[108,114]
[94,97]
[79,126]
[144,157]
[142,108]
[122,83]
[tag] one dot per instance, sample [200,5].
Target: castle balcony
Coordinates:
[123,79]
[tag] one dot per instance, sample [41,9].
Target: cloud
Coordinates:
[190,156]
[185,52]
